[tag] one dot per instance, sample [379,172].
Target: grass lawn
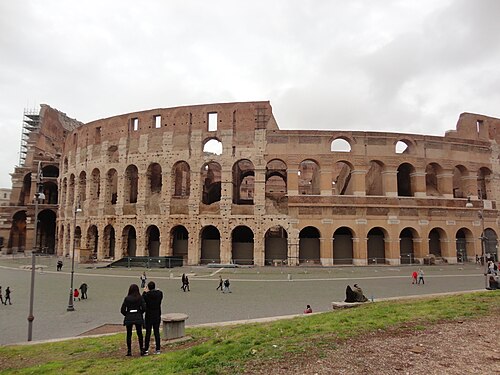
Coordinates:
[228,350]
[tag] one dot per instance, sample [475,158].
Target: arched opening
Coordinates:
[17,235]
[242,245]
[341,178]
[373,178]
[483,183]
[243,182]
[491,244]
[405,171]
[276,188]
[153,241]
[129,241]
[342,246]
[82,187]
[154,176]
[50,192]
[182,179]
[402,147]
[112,186]
[50,171]
[131,184]
[436,235]
[213,146]
[376,246]
[432,177]
[109,241]
[309,245]
[180,241]
[210,245]
[93,240]
[463,242]
[211,182]
[95,185]
[406,250]
[276,245]
[71,191]
[309,178]
[46,231]
[340,145]
[460,189]
[78,238]
[25,194]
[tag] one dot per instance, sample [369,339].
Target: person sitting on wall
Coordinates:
[350,295]
[308,310]
[359,294]
[493,283]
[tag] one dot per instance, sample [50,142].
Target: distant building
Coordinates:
[5,196]
[222,183]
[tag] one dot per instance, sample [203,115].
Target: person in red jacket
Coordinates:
[414,276]
[76,295]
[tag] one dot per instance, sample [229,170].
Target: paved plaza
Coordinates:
[257,292]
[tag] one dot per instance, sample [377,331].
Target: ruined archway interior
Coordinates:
[276,245]
[342,246]
[376,246]
[309,246]
[309,178]
[153,241]
[211,182]
[242,245]
[210,245]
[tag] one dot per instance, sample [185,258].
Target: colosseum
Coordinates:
[222,183]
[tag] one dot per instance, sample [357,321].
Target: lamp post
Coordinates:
[480,215]
[70,302]
[38,196]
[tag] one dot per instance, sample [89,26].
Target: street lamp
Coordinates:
[480,215]
[70,302]
[39,195]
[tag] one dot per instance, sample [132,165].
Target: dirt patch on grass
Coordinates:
[457,347]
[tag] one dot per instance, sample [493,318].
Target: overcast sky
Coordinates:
[402,66]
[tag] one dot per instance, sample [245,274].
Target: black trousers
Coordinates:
[156,330]
[138,328]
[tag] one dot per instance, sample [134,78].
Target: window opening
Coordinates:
[157,121]
[212,122]
[135,124]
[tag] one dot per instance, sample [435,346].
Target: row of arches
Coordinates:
[278,247]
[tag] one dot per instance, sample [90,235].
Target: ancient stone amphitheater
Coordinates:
[221,183]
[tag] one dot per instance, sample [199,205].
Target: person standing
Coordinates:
[420,276]
[76,295]
[1,297]
[143,280]
[153,298]
[221,282]
[226,286]
[59,265]
[83,290]
[7,296]
[414,277]
[133,307]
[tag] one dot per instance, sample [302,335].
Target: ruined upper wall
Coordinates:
[240,118]
[476,127]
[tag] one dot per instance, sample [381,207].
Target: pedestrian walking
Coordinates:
[226,286]
[420,276]
[133,307]
[183,280]
[414,276]
[76,295]
[186,283]
[153,298]
[143,279]
[83,290]
[7,296]
[221,282]
[59,265]
[1,297]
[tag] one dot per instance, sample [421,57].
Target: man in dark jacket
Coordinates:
[153,298]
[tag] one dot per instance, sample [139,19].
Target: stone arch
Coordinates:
[491,243]
[374,181]
[341,144]
[211,181]
[46,236]
[17,235]
[65,165]
[343,246]
[95,185]
[464,241]
[109,241]
[484,183]
[181,175]
[341,178]
[242,245]
[460,189]
[243,182]
[210,245]
[432,177]
[129,241]
[309,178]
[376,245]
[112,186]
[50,171]
[93,240]
[276,186]
[309,245]
[406,245]
[403,146]
[82,186]
[49,189]
[77,238]
[25,194]
[153,241]
[71,190]
[212,146]
[404,178]
[154,176]
[179,237]
[436,236]
[276,245]
[131,182]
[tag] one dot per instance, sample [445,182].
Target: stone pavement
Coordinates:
[257,292]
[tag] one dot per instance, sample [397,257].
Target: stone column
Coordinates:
[390,183]
[360,251]
[358,179]
[418,249]
[418,184]
[326,182]
[392,252]
[445,184]
[225,243]
[292,182]
[448,251]
[326,251]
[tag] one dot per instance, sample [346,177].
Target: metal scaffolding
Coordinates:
[31,122]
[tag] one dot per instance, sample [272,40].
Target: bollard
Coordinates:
[289,277]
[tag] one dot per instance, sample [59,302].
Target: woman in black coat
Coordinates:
[133,307]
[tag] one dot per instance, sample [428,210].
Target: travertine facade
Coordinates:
[222,183]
